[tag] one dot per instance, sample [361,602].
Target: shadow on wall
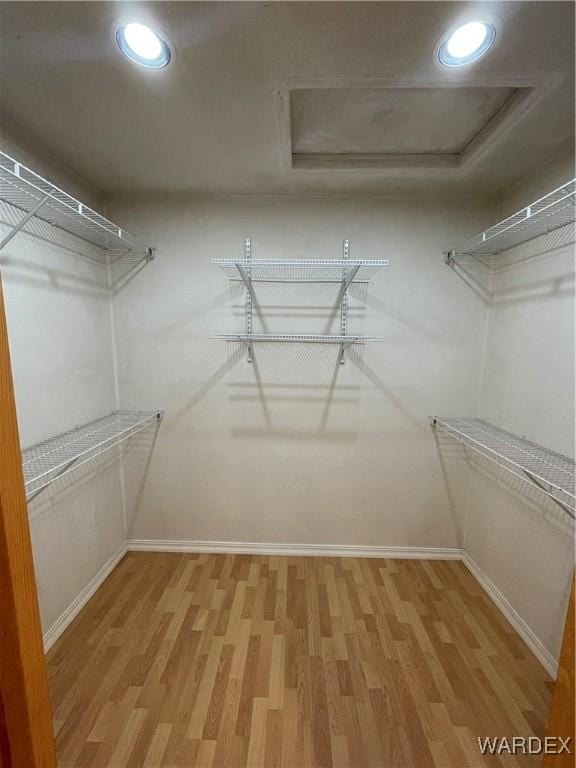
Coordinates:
[199,311]
[137,457]
[305,374]
[313,392]
[73,484]
[39,269]
[453,455]
[236,354]
[357,359]
[454,465]
[316,395]
[477,276]
[131,460]
[47,243]
[402,318]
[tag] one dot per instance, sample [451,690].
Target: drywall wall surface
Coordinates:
[77,529]
[522,541]
[59,323]
[528,384]
[295,448]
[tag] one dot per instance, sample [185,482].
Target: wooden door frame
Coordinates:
[562,717]
[26,731]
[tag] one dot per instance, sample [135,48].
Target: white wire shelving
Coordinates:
[319,338]
[552,473]
[301,270]
[38,199]
[51,459]
[342,272]
[549,213]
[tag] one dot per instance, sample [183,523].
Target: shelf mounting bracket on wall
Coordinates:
[246,275]
[344,299]
[347,279]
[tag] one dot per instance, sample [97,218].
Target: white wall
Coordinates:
[295,448]
[523,542]
[59,324]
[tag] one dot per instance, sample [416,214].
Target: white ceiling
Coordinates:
[370,107]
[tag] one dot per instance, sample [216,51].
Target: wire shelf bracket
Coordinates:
[552,473]
[344,272]
[53,458]
[37,198]
[545,215]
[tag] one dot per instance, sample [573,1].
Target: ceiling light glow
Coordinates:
[467,44]
[142,45]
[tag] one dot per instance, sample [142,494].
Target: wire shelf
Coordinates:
[319,338]
[51,459]
[342,272]
[553,473]
[301,270]
[38,198]
[554,210]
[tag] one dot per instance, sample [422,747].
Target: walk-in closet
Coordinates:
[287,384]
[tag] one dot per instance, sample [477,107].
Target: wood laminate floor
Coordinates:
[229,661]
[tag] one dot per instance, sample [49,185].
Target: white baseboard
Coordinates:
[65,618]
[543,655]
[310,550]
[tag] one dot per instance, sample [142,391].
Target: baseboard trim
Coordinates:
[66,618]
[543,655]
[298,550]
[549,663]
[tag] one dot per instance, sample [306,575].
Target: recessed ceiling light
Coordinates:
[142,45]
[467,43]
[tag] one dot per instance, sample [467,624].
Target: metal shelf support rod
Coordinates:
[23,221]
[549,491]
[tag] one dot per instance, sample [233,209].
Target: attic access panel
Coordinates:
[364,127]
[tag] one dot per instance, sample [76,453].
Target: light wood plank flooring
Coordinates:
[229,661]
